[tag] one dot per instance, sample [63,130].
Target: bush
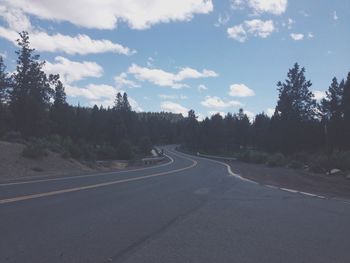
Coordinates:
[13,136]
[106,152]
[125,151]
[277,160]
[145,146]
[35,150]
[253,157]
[295,165]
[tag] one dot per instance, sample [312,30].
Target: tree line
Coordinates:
[299,123]
[33,105]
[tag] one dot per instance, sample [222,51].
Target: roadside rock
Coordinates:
[335,172]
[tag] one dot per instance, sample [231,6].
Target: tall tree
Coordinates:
[346,112]
[296,107]
[332,115]
[30,97]
[125,103]
[4,82]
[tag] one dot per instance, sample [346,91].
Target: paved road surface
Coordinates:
[188,210]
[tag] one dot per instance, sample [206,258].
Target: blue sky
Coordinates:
[210,56]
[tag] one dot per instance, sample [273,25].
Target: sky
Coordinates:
[213,56]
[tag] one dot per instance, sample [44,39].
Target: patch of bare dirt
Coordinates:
[14,166]
[330,186]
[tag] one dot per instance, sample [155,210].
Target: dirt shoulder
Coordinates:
[329,186]
[13,166]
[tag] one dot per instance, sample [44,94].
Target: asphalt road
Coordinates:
[187,210]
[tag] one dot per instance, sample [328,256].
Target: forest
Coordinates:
[33,109]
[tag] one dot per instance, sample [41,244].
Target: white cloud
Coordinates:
[310,35]
[255,27]
[202,88]
[222,20]
[260,28]
[335,16]
[251,115]
[71,71]
[168,79]
[80,44]
[297,36]
[276,7]
[138,14]
[169,106]
[15,18]
[92,92]
[238,33]
[172,97]
[215,102]
[122,81]
[240,90]
[319,95]
[270,112]
[289,24]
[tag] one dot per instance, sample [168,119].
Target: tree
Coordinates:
[4,82]
[118,102]
[295,111]
[30,97]
[125,103]
[331,108]
[346,112]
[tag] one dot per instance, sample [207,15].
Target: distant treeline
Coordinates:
[299,123]
[33,105]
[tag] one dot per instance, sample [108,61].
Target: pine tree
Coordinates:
[331,108]
[295,98]
[125,103]
[295,111]
[346,112]
[4,82]
[118,102]
[30,97]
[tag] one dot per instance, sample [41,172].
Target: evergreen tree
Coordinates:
[4,82]
[331,108]
[30,97]
[118,102]
[346,112]
[125,103]
[296,108]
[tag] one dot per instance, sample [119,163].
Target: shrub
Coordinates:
[253,157]
[145,145]
[295,165]
[13,136]
[106,152]
[35,150]
[125,151]
[276,160]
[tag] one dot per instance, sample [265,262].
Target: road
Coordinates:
[187,210]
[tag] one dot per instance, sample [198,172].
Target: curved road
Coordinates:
[187,210]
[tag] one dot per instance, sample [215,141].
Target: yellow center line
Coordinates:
[75,189]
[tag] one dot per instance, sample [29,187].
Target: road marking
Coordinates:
[270,186]
[88,175]
[76,189]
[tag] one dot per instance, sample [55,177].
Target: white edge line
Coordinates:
[88,175]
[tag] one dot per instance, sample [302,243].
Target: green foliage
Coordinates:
[253,157]
[145,145]
[36,149]
[125,150]
[277,160]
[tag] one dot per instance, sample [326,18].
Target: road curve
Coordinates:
[187,210]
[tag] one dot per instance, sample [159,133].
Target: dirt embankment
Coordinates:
[326,185]
[14,166]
